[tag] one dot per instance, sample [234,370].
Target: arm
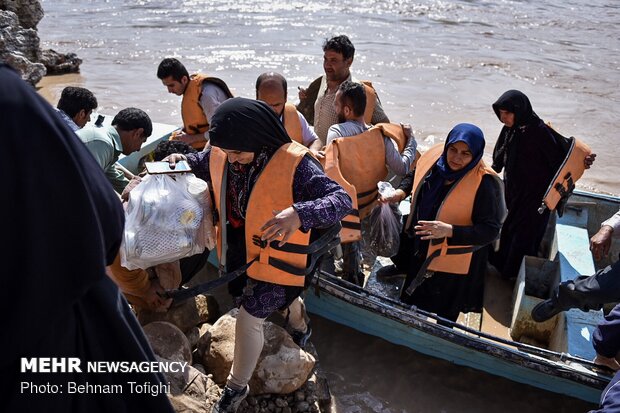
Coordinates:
[309,138]
[319,201]
[116,178]
[606,337]
[399,163]
[199,162]
[487,216]
[601,241]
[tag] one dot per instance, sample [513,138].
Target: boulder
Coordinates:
[282,366]
[192,391]
[168,341]
[20,44]
[187,315]
[29,12]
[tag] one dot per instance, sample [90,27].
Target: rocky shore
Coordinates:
[287,379]
[20,43]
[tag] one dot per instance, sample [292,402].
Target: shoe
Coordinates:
[389,271]
[301,338]
[545,310]
[230,400]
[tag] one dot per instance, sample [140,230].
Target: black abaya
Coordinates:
[64,224]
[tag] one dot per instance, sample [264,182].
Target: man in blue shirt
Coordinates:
[75,106]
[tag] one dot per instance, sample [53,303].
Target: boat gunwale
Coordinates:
[416,318]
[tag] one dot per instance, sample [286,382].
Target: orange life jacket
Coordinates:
[572,168]
[273,190]
[194,119]
[456,209]
[291,122]
[371,100]
[357,163]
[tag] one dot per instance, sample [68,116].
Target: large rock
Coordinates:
[29,12]
[59,63]
[192,390]
[282,367]
[168,341]
[187,315]
[20,44]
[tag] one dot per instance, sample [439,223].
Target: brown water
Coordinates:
[435,63]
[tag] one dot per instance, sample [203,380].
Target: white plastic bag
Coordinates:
[385,225]
[162,220]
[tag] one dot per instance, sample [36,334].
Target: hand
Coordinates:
[153,299]
[433,230]
[187,138]
[612,363]
[589,160]
[174,158]
[407,130]
[320,154]
[131,185]
[398,196]
[601,242]
[302,93]
[283,224]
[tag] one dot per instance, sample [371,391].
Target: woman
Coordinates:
[457,200]
[67,223]
[529,155]
[266,188]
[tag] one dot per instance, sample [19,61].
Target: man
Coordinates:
[75,106]
[587,292]
[271,88]
[316,102]
[67,215]
[129,130]
[201,96]
[366,171]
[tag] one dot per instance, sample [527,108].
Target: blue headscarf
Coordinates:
[473,137]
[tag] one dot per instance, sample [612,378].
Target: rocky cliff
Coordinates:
[20,45]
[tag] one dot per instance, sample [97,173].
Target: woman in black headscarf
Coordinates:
[453,178]
[529,155]
[65,223]
[246,137]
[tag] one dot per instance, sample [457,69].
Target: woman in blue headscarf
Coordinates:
[457,208]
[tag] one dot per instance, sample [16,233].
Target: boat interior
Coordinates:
[564,255]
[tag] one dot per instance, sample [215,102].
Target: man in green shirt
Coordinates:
[129,130]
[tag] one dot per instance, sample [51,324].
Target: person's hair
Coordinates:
[166,148]
[73,99]
[171,67]
[340,44]
[133,118]
[270,76]
[354,95]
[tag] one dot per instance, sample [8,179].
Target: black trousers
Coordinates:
[590,292]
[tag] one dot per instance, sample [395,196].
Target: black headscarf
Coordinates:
[246,125]
[516,102]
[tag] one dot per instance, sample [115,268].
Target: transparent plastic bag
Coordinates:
[385,225]
[163,220]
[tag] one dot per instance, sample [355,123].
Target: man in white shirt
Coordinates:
[202,94]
